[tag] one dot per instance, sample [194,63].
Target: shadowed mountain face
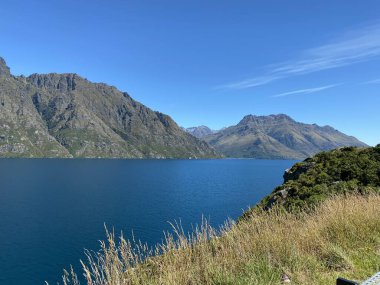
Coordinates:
[277,137]
[65,115]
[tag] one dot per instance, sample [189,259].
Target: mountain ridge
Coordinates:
[66,115]
[200,131]
[277,137]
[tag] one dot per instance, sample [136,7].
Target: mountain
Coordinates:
[200,131]
[65,115]
[277,137]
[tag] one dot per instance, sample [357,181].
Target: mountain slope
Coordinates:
[65,115]
[200,131]
[278,137]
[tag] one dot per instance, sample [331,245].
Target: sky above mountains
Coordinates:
[212,62]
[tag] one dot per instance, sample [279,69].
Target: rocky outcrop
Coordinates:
[278,197]
[295,171]
[4,69]
[60,82]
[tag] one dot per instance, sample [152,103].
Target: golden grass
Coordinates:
[341,237]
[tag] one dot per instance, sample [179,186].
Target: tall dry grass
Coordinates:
[341,237]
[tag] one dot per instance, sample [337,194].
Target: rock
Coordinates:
[285,279]
[4,69]
[278,198]
[298,169]
[283,193]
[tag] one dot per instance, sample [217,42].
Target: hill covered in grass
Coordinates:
[328,226]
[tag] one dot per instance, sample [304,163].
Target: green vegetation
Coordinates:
[340,171]
[335,231]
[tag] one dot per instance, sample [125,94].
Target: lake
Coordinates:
[51,209]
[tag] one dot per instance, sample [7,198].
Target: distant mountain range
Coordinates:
[201,131]
[274,137]
[65,115]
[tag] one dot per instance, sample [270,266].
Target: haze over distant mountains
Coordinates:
[65,115]
[275,137]
[201,131]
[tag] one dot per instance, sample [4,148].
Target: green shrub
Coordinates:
[340,171]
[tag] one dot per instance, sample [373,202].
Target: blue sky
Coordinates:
[212,62]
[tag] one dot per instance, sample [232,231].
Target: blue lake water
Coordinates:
[50,210]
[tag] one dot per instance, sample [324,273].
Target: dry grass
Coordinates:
[339,238]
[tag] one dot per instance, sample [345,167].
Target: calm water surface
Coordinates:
[50,210]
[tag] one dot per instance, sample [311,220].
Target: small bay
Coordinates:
[51,209]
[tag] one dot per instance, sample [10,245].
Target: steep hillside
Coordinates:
[22,131]
[65,115]
[277,137]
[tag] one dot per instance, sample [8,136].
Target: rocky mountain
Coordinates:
[65,115]
[200,131]
[277,137]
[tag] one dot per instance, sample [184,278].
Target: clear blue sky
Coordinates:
[212,62]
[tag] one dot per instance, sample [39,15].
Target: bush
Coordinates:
[343,170]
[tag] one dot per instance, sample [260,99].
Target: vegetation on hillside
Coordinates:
[340,171]
[340,238]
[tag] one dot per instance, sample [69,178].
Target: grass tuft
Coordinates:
[340,237]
